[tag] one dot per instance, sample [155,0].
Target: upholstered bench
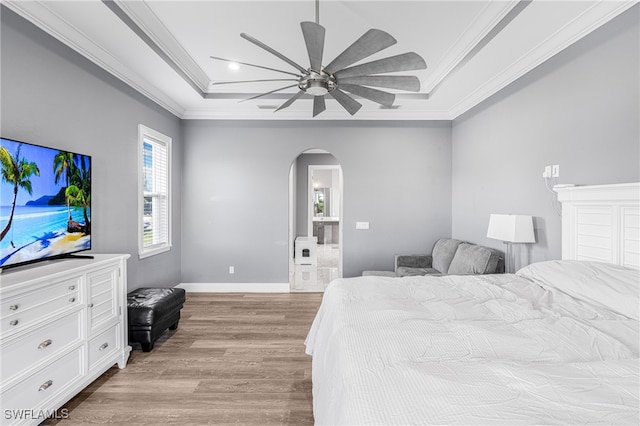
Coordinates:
[151,311]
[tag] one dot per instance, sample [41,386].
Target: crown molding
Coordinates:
[597,15]
[268,114]
[41,15]
[492,14]
[148,22]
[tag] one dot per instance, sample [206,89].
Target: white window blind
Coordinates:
[155,196]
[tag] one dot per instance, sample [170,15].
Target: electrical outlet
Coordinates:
[555,170]
[547,172]
[232,270]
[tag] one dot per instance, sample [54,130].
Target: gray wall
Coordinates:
[52,96]
[302,186]
[397,176]
[414,182]
[578,110]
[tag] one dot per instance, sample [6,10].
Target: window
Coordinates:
[154,205]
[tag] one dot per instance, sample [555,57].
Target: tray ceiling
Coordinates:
[162,48]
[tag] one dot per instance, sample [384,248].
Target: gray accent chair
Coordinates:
[448,257]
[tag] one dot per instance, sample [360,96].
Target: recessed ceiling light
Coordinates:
[233,66]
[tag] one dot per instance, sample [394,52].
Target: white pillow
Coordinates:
[614,287]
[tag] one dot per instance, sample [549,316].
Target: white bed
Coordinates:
[556,343]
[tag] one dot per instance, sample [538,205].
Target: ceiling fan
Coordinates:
[340,75]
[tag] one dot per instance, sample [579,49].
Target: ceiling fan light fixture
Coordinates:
[317,88]
[317,84]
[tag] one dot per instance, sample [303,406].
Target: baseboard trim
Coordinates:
[235,287]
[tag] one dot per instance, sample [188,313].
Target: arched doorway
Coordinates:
[315,221]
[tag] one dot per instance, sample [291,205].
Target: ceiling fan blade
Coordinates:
[374,95]
[314,38]
[351,105]
[289,101]
[401,82]
[371,42]
[251,81]
[404,62]
[318,105]
[253,65]
[273,52]
[268,93]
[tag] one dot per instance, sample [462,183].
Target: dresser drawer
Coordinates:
[23,317]
[103,345]
[36,298]
[35,390]
[39,344]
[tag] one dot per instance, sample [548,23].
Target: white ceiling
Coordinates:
[162,48]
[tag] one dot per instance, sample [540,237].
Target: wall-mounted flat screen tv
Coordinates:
[45,203]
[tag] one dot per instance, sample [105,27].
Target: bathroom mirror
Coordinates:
[322,202]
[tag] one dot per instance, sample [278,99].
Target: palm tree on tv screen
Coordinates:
[63,165]
[78,192]
[16,170]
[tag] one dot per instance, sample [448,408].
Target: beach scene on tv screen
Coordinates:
[45,202]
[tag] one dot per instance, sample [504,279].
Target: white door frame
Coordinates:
[292,220]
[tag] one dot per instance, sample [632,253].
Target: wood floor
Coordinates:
[235,359]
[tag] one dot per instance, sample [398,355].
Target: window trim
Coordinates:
[145,132]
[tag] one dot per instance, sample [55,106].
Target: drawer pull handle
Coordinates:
[46,385]
[72,287]
[91,305]
[14,307]
[45,344]
[73,299]
[14,322]
[103,346]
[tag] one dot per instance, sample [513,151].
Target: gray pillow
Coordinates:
[471,259]
[443,252]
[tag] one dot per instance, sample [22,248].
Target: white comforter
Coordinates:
[494,349]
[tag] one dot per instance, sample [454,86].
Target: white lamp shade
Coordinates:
[514,228]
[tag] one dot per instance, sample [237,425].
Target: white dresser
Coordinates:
[63,324]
